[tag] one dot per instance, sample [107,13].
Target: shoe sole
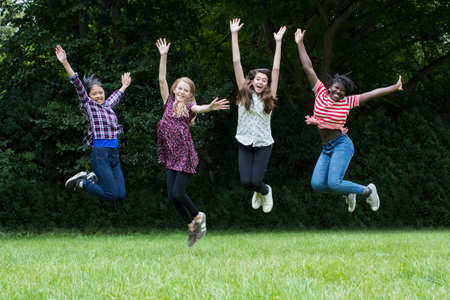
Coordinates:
[347,200]
[202,233]
[375,194]
[255,199]
[76,176]
[270,209]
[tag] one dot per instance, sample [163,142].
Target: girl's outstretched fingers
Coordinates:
[162,46]
[235,25]
[279,35]
[60,53]
[399,83]
[299,35]
[126,79]
[219,104]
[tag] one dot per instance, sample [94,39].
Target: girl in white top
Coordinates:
[256,100]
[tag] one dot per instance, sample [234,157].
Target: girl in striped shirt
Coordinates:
[331,108]
[104,129]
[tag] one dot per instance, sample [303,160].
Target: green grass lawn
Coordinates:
[227,265]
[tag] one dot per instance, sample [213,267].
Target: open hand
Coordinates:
[235,25]
[399,83]
[279,35]
[126,80]
[162,45]
[299,35]
[219,104]
[60,53]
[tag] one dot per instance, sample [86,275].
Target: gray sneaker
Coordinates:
[350,199]
[200,227]
[191,238]
[74,181]
[373,198]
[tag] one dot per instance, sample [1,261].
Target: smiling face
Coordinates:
[260,82]
[182,92]
[97,93]
[337,91]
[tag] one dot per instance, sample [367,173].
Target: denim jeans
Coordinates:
[110,183]
[328,175]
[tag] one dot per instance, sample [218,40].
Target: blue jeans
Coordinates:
[110,183]
[328,175]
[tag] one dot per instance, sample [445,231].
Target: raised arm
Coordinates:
[235,26]
[276,60]
[381,91]
[163,48]
[214,105]
[304,58]
[62,57]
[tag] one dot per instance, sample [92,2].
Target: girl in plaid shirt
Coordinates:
[331,108]
[107,179]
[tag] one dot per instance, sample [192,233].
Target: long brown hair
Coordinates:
[179,109]
[245,93]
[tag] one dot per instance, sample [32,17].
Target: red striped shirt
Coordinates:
[328,113]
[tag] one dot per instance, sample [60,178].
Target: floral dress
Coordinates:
[176,148]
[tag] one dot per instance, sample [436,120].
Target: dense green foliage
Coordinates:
[401,141]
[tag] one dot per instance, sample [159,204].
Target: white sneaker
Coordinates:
[267,201]
[91,177]
[74,180]
[350,199]
[373,199]
[257,200]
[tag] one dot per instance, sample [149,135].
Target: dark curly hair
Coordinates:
[348,84]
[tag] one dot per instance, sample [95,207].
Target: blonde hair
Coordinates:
[179,107]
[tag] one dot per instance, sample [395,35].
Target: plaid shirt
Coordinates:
[102,120]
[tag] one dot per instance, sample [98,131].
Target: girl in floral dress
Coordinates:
[176,149]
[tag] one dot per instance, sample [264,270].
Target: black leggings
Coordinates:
[253,163]
[176,188]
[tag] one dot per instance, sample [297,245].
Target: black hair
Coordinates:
[348,84]
[90,81]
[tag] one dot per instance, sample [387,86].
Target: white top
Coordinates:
[254,124]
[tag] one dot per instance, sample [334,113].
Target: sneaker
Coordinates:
[191,238]
[267,201]
[257,200]
[200,227]
[350,199]
[79,183]
[373,198]
[74,180]
[91,177]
